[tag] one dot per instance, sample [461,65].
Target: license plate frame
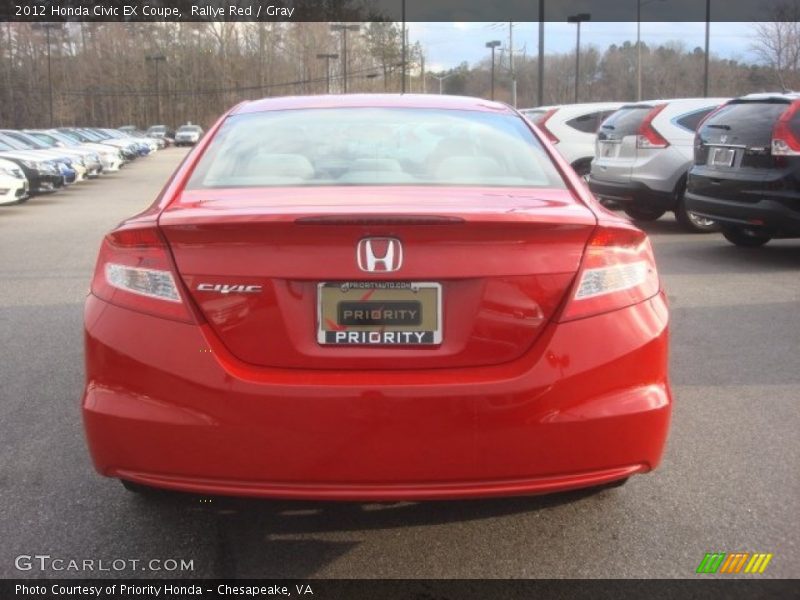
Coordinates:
[391,292]
[721,157]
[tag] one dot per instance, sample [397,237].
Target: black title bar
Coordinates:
[393,10]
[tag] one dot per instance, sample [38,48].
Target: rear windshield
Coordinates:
[625,121]
[748,123]
[374,146]
[590,122]
[189,128]
[691,120]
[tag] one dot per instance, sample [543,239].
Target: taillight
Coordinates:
[617,270]
[134,270]
[647,136]
[542,124]
[784,140]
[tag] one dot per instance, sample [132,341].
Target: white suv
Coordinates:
[572,128]
[644,152]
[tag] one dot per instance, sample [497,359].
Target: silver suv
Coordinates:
[644,152]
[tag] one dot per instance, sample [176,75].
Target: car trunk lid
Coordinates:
[503,258]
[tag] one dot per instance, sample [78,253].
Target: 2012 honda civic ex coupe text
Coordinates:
[375,298]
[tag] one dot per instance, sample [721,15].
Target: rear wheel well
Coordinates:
[582,166]
[585,161]
[680,185]
[689,220]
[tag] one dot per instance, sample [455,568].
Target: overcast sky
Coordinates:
[449,44]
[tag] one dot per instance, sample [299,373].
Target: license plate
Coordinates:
[608,150]
[721,157]
[379,313]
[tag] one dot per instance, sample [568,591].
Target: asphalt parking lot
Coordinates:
[730,480]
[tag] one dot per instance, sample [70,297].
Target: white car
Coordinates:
[644,153]
[13,184]
[572,128]
[188,135]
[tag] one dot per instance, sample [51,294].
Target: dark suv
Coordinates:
[746,172]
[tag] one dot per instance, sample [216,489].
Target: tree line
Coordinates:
[115,74]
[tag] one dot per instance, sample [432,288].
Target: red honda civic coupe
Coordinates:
[375,297]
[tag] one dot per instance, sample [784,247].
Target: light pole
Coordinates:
[639,5]
[9,85]
[511,64]
[440,79]
[578,19]
[403,52]
[47,27]
[638,50]
[708,36]
[344,29]
[493,44]
[540,65]
[328,58]
[157,58]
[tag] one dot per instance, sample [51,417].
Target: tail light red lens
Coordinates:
[785,141]
[135,270]
[647,136]
[618,270]
[541,123]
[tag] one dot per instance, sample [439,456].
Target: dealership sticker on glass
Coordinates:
[379,313]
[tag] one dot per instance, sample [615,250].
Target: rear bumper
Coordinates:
[631,192]
[165,405]
[779,215]
[388,491]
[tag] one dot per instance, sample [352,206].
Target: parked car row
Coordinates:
[39,161]
[635,156]
[186,135]
[643,155]
[573,129]
[717,163]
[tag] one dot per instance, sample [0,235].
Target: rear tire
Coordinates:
[690,221]
[746,237]
[637,212]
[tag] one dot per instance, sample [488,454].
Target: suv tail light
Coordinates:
[647,136]
[618,270]
[542,124]
[785,141]
[135,270]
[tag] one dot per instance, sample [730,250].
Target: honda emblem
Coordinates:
[379,255]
